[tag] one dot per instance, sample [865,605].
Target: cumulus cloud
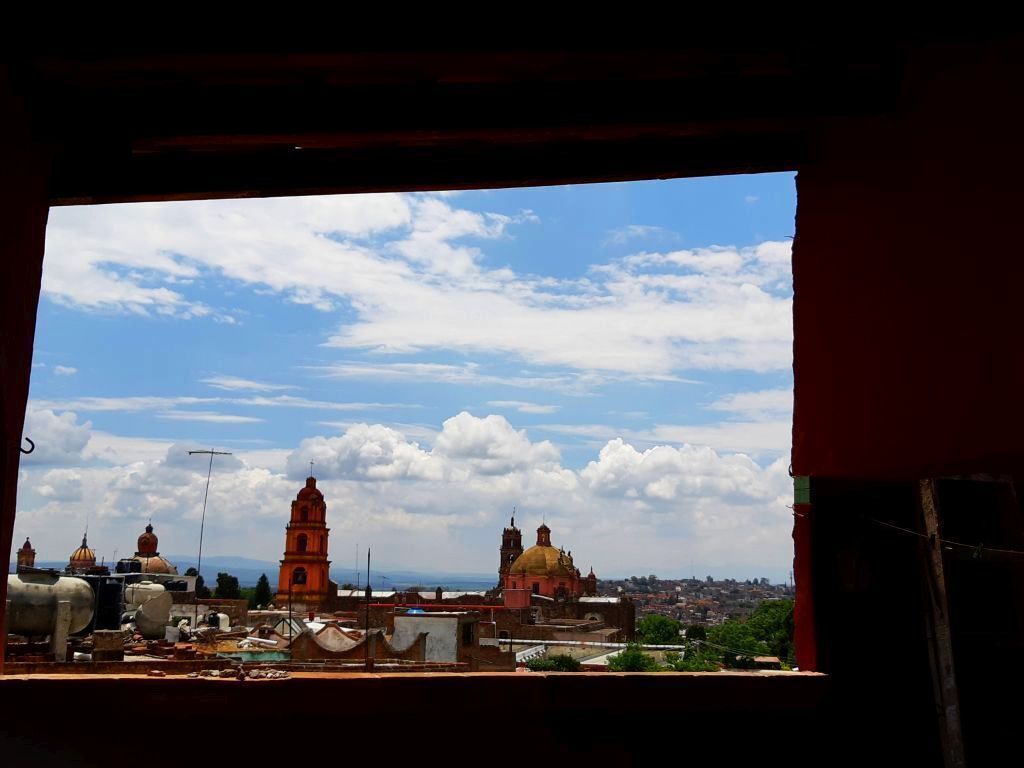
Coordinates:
[666,473]
[59,437]
[492,446]
[437,506]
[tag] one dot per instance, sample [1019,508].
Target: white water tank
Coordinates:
[141,593]
[33,601]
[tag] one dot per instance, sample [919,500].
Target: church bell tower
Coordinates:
[511,548]
[305,565]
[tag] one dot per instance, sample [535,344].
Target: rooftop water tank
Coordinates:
[33,602]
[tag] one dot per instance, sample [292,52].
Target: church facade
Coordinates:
[541,570]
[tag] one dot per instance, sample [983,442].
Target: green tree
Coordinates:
[696,632]
[227,587]
[695,660]
[263,594]
[658,630]
[202,591]
[558,663]
[772,623]
[632,659]
[734,643]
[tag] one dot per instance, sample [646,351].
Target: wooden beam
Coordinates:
[940,645]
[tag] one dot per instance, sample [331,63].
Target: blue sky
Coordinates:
[611,357]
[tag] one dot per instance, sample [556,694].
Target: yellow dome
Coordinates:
[83,556]
[543,560]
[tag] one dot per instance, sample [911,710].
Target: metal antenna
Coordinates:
[202,524]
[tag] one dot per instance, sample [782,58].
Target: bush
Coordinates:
[632,659]
[658,630]
[694,661]
[557,663]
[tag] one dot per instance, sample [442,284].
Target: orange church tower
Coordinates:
[305,562]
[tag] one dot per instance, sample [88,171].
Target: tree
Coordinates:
[696,632]
[658,630]
[558,663]
[694,661]
[227,587]
[202,591]
[734,643]
[263,594]
[772,623]
[632,659]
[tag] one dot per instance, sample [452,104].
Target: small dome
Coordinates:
[147,543]
[310,491]
[83,557]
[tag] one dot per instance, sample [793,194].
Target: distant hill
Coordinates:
[248,571]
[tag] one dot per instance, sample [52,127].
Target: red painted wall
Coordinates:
[908,273]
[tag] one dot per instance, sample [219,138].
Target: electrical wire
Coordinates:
[977,548]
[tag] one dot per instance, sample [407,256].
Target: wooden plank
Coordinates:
[940,640]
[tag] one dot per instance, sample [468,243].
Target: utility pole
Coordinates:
[369,594]
[202,525]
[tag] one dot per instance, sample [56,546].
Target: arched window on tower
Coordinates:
[304,511]
[303,542]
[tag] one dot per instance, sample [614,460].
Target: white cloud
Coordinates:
[631,232]
[64,370]
[665,473]
[397,259]
[119,449]
[471,374]
[751,199]
[491,445]
[756,405]
[524,407]
[233,383]
[212,417]
[770,437]
[440,508]
[59,438]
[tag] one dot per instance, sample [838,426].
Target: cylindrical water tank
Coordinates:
[141,593]
[33,602]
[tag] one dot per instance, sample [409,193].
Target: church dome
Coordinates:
[156,564]
[147,543]
[310,491]
[543,560]
[148,557]
[83,557]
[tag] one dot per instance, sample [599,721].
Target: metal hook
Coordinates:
[29,441]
